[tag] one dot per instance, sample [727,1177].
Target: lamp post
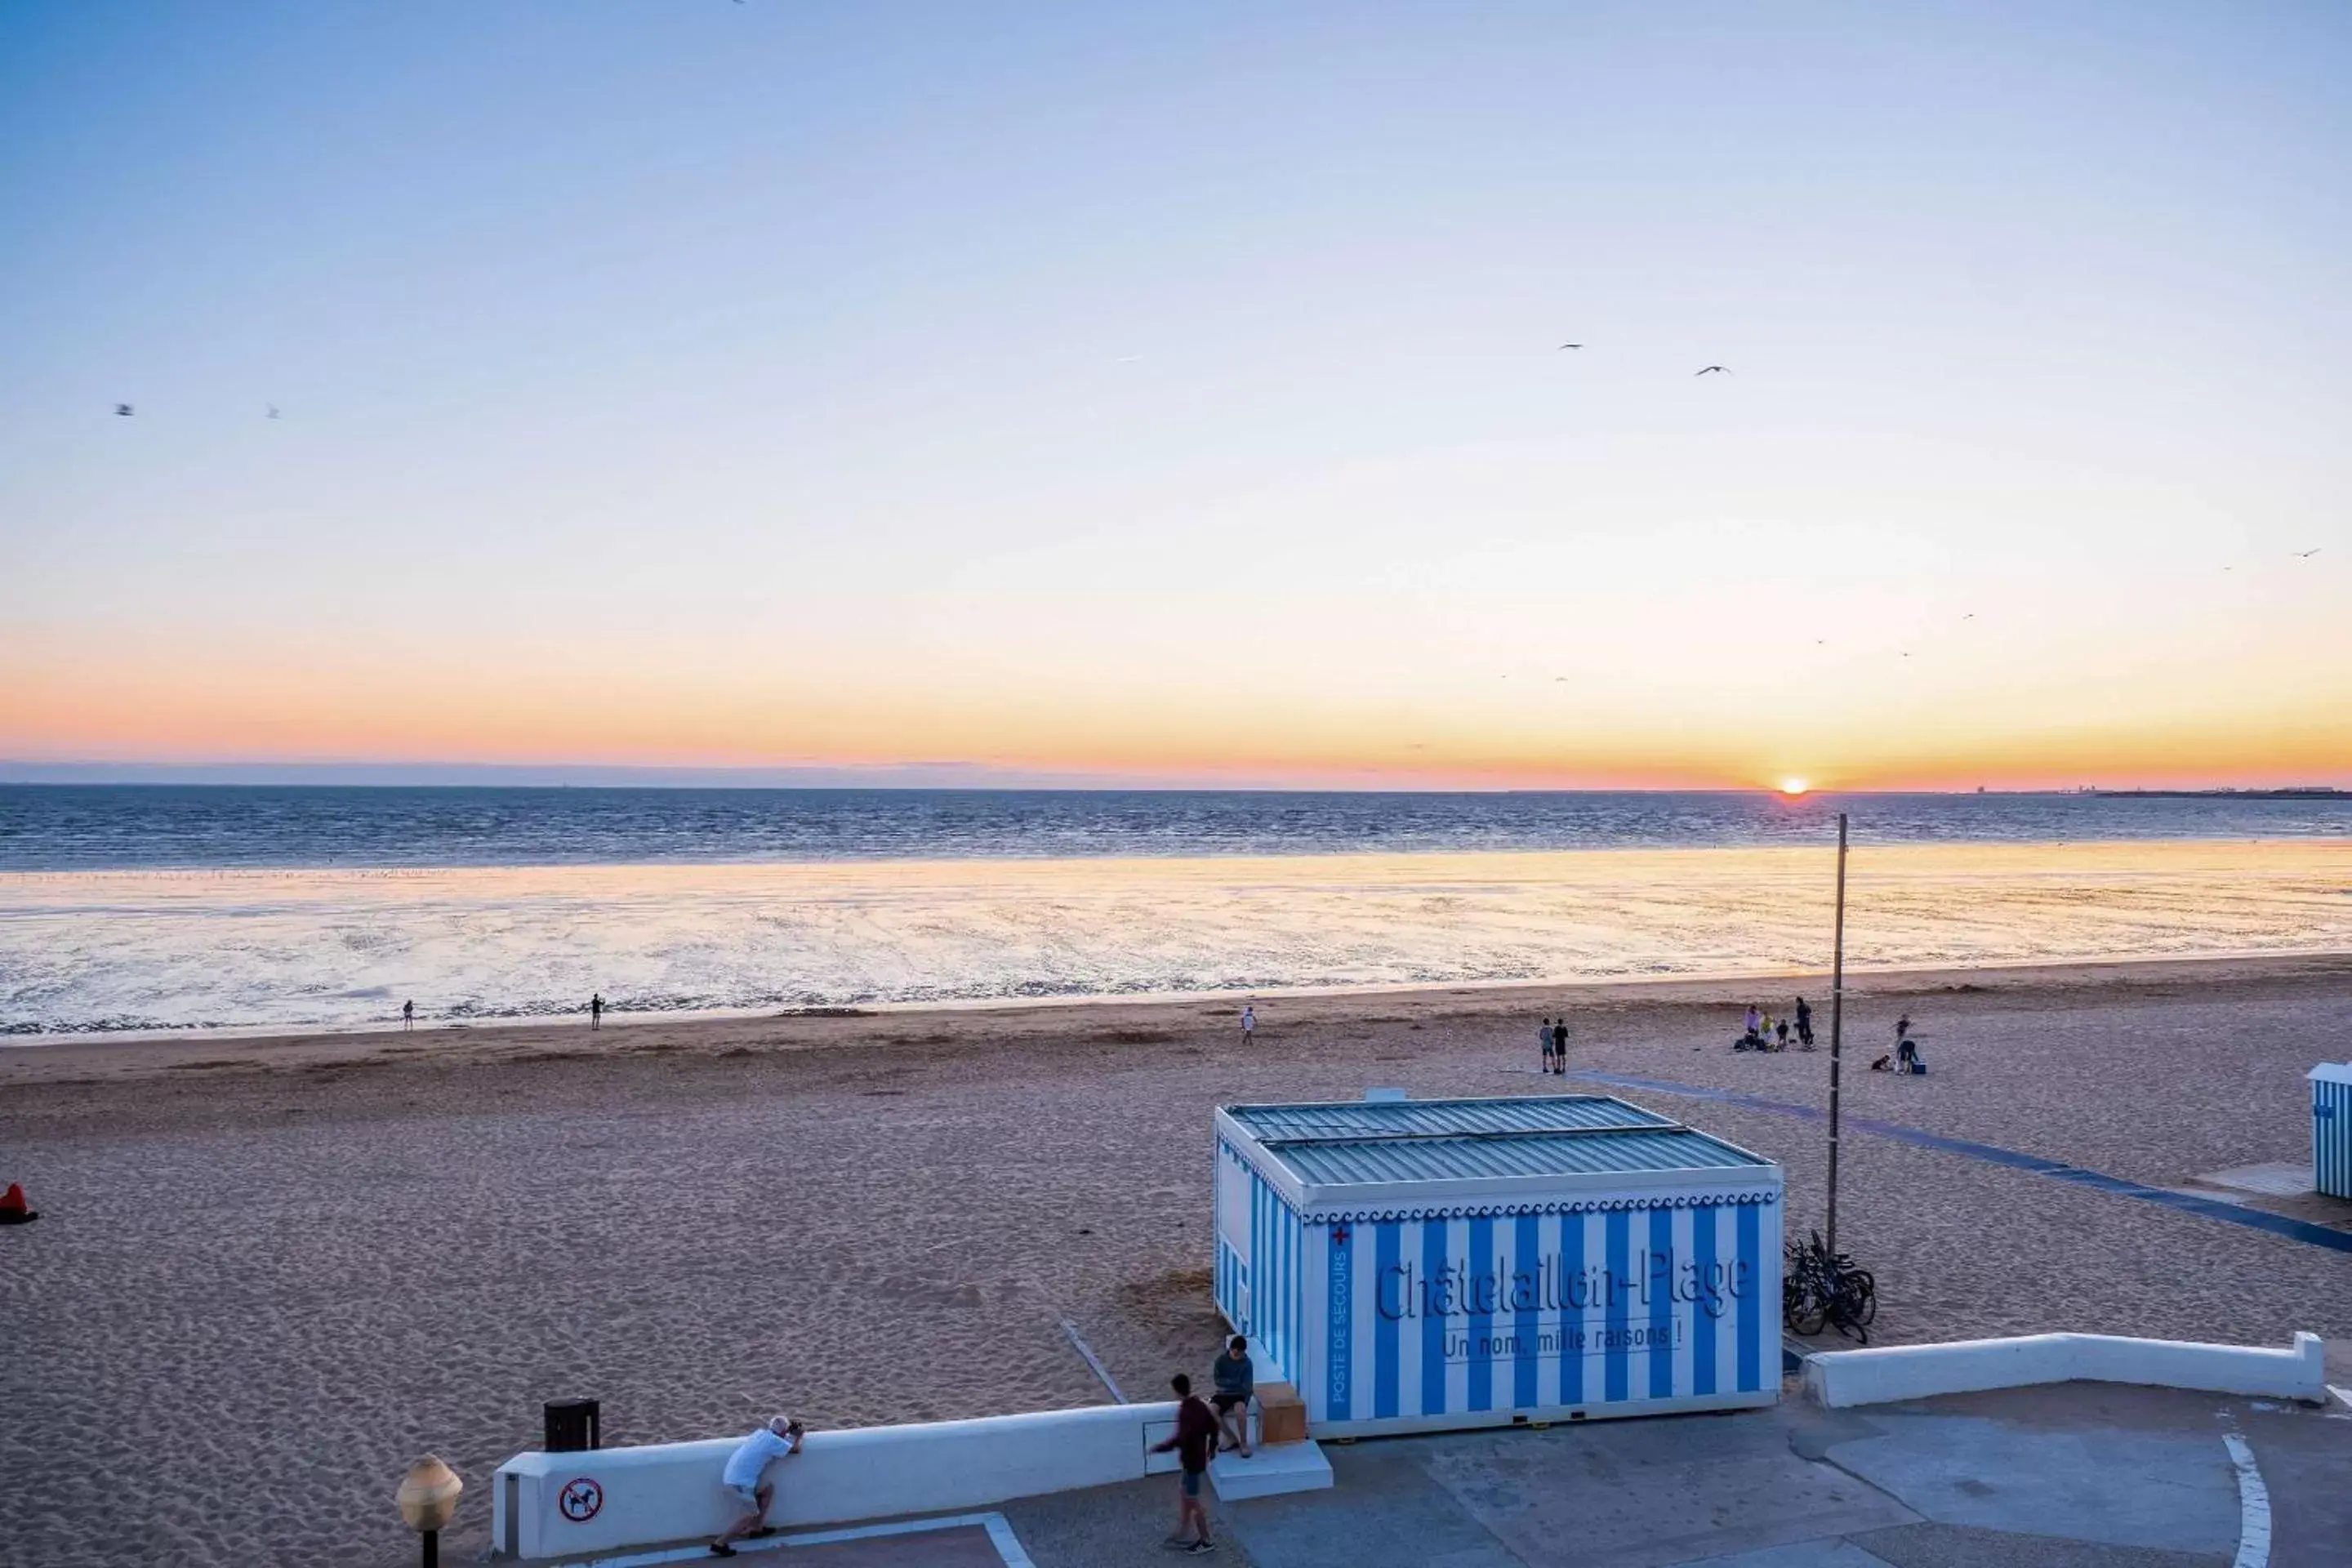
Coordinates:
[428,1501]
[1837,1018]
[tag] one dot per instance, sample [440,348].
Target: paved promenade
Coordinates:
[2077,1476]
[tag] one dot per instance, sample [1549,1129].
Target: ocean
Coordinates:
[139,909]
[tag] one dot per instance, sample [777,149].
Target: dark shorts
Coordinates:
[1192,1482]
[1224,1402]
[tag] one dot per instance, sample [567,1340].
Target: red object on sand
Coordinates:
[12,1206]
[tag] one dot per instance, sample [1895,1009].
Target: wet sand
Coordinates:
[272,1272]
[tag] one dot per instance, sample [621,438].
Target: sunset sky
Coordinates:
[1171,394]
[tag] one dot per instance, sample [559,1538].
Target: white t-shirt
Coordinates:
[749,1462]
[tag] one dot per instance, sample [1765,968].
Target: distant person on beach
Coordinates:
[1249,1022]
[1194,1438]
[1902,1027]
[746,1479]
[1560,1048]
[1235,1380]
[1754,1024]
[1543,1039]
[1805,1024]
[1780,1034]
[1906,1056]
[596,1011]
[408,1014]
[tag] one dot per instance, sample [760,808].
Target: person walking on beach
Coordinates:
[746,1479]
[1805,1024]
[1249,1022]
[1236,1379]
[596,1011]
[1194,1438]
[408,1014]
[1560,1048]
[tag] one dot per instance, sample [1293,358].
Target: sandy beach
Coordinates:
[271,1272]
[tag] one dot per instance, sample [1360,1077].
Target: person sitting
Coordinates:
[1781,1033]
[1234,1379]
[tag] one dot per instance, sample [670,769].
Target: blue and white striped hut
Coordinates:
[1417,1264]
[2331,1127]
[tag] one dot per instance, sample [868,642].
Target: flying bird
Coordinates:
[122,410]
[1712,369]
[2307,555]
[273,409]
[1970,617]
[1571,345]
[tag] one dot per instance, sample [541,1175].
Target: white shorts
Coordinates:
[750,1497]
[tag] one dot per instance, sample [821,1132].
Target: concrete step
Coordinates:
[1270,1472]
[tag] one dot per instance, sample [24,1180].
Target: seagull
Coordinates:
[2307,555]
[1571,345]
[122,410]
[273,409]
[1129,359]
[1712,369]
[1970,617]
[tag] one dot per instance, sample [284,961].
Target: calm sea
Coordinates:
[154,909]
[127,827]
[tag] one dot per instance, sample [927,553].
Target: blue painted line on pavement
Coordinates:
[2058,1170]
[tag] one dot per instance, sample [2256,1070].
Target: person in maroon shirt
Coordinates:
[1194,1439]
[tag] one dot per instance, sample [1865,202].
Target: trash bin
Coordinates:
[572,1427]
[2331,1127]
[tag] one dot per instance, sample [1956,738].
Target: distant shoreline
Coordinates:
[2299,791]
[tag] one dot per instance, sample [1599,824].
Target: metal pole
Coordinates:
[1837,1020]
[432,1549]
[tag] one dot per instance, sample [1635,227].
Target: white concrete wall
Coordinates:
[671,1491]
[1892,1372]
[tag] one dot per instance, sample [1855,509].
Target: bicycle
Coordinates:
[1820,1289]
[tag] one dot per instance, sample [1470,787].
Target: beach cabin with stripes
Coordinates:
[1412,1266]
[2331,1127]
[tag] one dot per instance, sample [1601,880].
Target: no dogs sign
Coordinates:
[580,1499]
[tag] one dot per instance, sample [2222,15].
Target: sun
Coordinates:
[1792,788]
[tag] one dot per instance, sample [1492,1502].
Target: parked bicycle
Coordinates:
[1820,1289]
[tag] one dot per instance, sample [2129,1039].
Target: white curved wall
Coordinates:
[671,1491]
[1892,1372]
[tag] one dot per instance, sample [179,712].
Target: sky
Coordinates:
[1173,394]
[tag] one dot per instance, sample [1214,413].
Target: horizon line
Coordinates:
[912,777]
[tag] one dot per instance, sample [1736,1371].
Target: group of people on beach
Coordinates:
[1204,1427]
[1763,1032]
[1552,1035]
[1905,1058]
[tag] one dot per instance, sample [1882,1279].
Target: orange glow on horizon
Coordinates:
[114,705]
